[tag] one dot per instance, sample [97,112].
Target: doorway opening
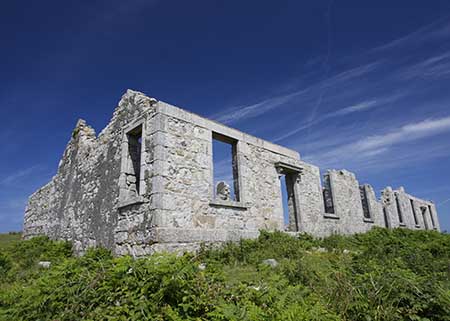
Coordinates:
[423,210]
[289,176]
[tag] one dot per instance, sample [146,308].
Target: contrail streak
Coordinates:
[325,67]
[446,201]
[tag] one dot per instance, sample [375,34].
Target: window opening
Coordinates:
[327,195]
[399,210]
[134,155]
[416,222]
[431,216]
[365,202]
[423,209]
[225,168]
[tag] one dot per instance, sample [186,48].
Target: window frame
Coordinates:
[366,204]
[292,176]
[125,197]
[238,202]
[328,185]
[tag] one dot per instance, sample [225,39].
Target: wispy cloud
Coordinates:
[434,67]
[356,108]
[406,133]
[444,202]
[377,68]
[244,112]
[21,174]
[341,112]
[371,150]
[371,113]
[362,106]
[296,97]
[15,189]
[431,32]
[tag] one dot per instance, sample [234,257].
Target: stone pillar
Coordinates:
[404,202]
[389,207]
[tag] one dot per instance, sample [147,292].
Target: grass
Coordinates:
[8,240]
[382,275]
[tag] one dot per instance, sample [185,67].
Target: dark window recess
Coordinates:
[431,216]
[225,166]
[414,212]
[385,215]
[134,153]
[365,202]
[327,195]
[423,209]
[399,210]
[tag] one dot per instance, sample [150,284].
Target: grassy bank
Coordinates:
[380,275]
[8,240]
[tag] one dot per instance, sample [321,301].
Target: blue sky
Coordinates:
[349,84]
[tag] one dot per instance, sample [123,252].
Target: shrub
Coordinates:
[382,275]
[5,265]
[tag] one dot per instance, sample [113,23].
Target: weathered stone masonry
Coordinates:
[146,184]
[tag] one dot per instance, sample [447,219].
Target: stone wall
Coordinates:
[185,212]
[416,213]
[80,203]
[146,184]
[347,216]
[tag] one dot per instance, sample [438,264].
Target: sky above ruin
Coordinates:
[361,85]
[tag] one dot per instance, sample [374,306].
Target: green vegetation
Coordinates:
[9,239]
[380,275]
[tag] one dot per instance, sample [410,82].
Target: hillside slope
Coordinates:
[380,275]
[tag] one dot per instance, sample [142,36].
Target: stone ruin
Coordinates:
[146,183]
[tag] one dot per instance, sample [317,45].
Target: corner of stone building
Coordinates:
[132,98]
[83,130]
[131,105]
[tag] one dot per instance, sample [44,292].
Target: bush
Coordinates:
[5,265]
[379,275]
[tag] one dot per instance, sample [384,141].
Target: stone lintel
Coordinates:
[285,167]
[218,128]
